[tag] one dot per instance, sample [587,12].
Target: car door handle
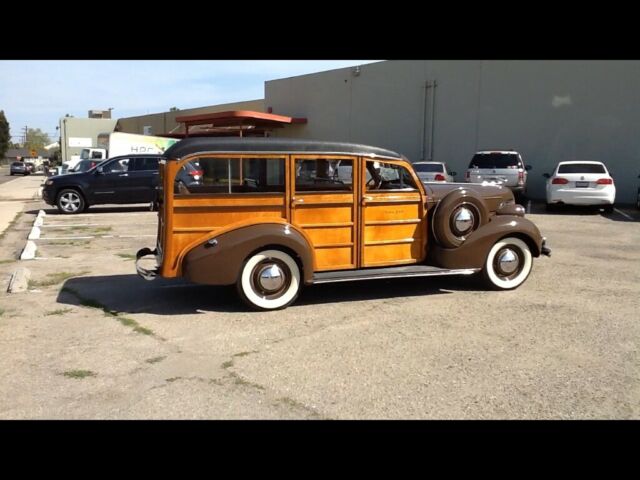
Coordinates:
[366,199]
[123,175]
[296,201]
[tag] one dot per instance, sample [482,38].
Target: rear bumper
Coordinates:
[144,272]
[582,196]
[545,250]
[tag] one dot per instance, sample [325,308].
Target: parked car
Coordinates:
[84,166]
[434,172]
[125,179]
[189,176]
[581,183]
[503,167]
[18,168]
[273,214]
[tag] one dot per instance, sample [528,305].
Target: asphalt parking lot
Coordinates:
[92,340]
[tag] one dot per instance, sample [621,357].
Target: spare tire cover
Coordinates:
[443,222]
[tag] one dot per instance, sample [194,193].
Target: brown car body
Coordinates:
[334,230]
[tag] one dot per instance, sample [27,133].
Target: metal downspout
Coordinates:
[433,119]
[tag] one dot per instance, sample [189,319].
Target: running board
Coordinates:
[388,272]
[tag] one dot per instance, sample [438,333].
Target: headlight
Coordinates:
[49,182]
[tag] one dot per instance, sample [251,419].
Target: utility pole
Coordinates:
[26,130]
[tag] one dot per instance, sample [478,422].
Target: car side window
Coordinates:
[231,175]
[388,176]
[116,166]
[323,174]
[143,164]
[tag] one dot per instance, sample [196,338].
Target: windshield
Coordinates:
[427,167]
[581,168]
[494,160]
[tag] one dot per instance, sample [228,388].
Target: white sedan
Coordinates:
[581,183]
[433,172]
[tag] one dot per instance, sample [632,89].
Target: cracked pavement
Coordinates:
[563,345]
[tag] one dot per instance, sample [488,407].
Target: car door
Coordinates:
[393,215]
[143,179]
[323,203]
[112,183]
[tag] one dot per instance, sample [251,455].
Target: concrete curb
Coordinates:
[19,281]
[29,251]
[34,234]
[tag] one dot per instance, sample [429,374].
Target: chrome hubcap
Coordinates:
[463,220]
[271,278]
[70,202]
[508,261]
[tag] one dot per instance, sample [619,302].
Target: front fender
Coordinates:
[473,252]
[219,259]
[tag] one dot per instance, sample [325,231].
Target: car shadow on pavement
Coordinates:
[132,294]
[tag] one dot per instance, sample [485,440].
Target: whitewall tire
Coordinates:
[269,280]
[508,264]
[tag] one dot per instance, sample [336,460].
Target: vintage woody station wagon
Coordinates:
[272,214]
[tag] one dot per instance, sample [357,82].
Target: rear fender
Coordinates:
[218,260]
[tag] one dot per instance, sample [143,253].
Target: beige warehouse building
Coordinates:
[438,110]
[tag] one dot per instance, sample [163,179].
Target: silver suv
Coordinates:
[504,167]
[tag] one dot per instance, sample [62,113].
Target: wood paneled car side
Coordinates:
[271,215]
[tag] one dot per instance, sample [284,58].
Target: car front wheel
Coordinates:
[70,201]
[269,280]
[508,264]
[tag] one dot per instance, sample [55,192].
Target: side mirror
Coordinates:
[100,170]
[546,175]
[528,167]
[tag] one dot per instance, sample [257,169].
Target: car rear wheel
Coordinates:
[70,201]
[269,280]
[508,264]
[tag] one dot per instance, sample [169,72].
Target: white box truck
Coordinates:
[118,143]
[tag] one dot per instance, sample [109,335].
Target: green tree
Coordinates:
[36,139]
[5,138]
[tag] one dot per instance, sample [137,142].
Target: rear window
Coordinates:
[495,160]
[17,164]
[581,168]
[427,167]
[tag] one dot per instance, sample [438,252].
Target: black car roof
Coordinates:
[188,146]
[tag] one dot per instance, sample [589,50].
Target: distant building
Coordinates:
[446,110]
[79,133]
[15,154]
[165,122]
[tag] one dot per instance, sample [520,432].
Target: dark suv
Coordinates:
[124,179]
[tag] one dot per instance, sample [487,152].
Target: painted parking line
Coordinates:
[66,225]
[624,214]
[95,236]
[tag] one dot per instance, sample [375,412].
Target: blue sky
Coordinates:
[38,93]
